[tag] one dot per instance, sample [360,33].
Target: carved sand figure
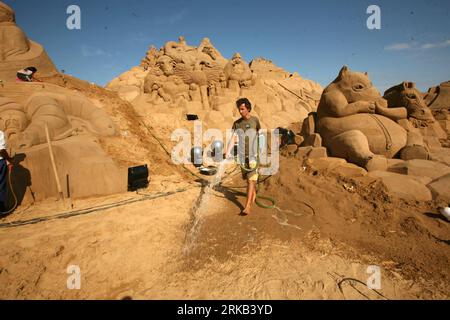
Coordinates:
[65,115]
[179,68]
[421,125]
[439,97]
[150,58]
[17,51]
[166,64]
[13,119]
[202,73]
[356,124]
[180,52]
[407,95]
[157,93]
[236,69]
[207,48]
[13,39]
[199,80]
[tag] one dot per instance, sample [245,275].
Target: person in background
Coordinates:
[6,163]
[27,74]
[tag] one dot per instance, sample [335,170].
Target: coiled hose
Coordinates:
[258,196]
[13,193]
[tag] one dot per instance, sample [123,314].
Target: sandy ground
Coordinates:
[193,244]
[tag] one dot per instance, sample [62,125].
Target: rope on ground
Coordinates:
[74,213]
[340,279]
[167,151]
[358,281]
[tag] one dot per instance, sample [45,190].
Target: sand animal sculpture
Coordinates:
[17,51]
[65,116]
[356,124]
[438,99]
[420,117]
[407,95]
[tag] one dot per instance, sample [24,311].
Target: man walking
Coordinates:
[246,130]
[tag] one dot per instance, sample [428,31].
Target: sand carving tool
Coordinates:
[52,159]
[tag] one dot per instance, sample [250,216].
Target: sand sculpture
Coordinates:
[420,117]
[183,73]
[407,95]
[65,116]
[438,99]
[73,123]
[237,72]
[17,51]
[357,124]
[180,79]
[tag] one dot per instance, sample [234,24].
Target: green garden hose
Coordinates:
[258,196]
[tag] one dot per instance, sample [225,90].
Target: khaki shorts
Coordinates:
[248,173]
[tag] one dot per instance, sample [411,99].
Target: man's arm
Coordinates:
[231,144]
[3,151]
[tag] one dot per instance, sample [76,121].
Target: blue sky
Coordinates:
[314,38]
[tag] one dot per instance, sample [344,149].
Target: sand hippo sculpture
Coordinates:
[355,123]
[65,116]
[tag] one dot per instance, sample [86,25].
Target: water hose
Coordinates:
[14,196]
[244,168]
[258,196]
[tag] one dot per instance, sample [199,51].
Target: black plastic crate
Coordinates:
[137,177]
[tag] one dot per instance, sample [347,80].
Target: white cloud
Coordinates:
[398,46]
[88,51]
[416,46]
[435,45]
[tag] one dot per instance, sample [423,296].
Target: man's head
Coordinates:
[244,106]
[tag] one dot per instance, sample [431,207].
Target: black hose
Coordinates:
[14,196]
